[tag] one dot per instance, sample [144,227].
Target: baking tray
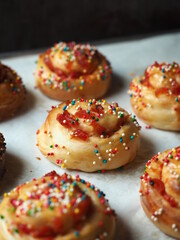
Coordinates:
[128,58]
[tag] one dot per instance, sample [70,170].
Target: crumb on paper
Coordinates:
[148,127]
[132,74]
[38,158]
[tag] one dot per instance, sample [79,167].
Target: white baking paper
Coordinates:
[128,58]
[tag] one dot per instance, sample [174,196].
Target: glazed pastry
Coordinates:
[2,152]
[12,92]
[70,70]
[160,191]
[89,135]
[56,207]
[155,96]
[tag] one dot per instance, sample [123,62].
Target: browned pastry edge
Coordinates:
[2,152]
[160,191]
[12,92]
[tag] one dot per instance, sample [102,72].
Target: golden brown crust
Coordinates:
[89,135]
[155,96]
[12,92]
[56,207]
[160,191]
[2,152]
[70,70]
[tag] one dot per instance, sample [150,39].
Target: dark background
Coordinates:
[31,24]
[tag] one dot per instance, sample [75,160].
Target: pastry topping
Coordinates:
[70,66]
[86,118]
[170,161]
[67,120]
[78,133]
[58,71]
[160,187]
[164,77]
[57,200]
[10,77]
[85,55]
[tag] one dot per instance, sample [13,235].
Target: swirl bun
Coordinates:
[89,135]
[70,70]
[160,191]
[56,207]
[2,152]
[12,92]
[155,96]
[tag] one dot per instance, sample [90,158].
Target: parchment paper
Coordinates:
[128,58]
